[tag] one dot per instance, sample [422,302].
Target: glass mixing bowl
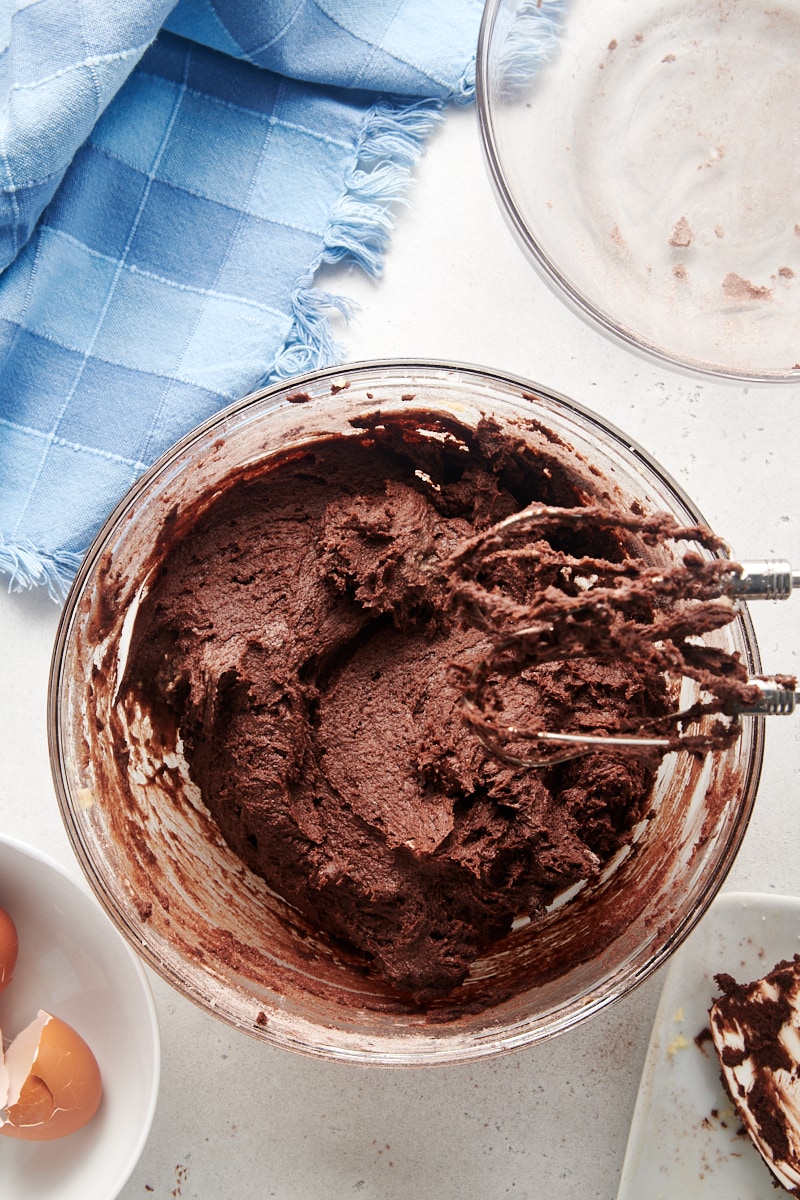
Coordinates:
[215,931]
[645,156]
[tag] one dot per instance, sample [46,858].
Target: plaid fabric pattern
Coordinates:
[415,47]
[167,195]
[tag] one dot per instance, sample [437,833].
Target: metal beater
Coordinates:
[589,602]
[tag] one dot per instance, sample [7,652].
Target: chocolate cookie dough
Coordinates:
[308,638]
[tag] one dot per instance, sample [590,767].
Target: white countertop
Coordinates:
[240,1119]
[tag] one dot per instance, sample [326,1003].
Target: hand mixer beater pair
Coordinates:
[654,610]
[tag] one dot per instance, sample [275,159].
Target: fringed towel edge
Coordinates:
[29,567]
[532,40]
[359,231]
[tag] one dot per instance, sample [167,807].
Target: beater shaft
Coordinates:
[777,698]
[764,579]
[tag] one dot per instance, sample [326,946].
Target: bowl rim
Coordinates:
[513,1037]
[546,267]
[79,883]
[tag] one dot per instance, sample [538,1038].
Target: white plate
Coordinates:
[684,1140]
[73,963]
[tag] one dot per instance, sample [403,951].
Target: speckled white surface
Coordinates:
[238,1119]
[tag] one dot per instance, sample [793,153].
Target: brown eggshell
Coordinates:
[9,946]
[54,1084]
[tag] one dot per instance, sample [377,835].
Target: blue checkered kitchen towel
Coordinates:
[170,180]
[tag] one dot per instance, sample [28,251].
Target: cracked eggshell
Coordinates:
[9,946]
[53,1084]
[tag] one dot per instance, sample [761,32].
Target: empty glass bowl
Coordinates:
[645,156]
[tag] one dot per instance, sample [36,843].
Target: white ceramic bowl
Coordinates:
[646,156]
[73,963]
